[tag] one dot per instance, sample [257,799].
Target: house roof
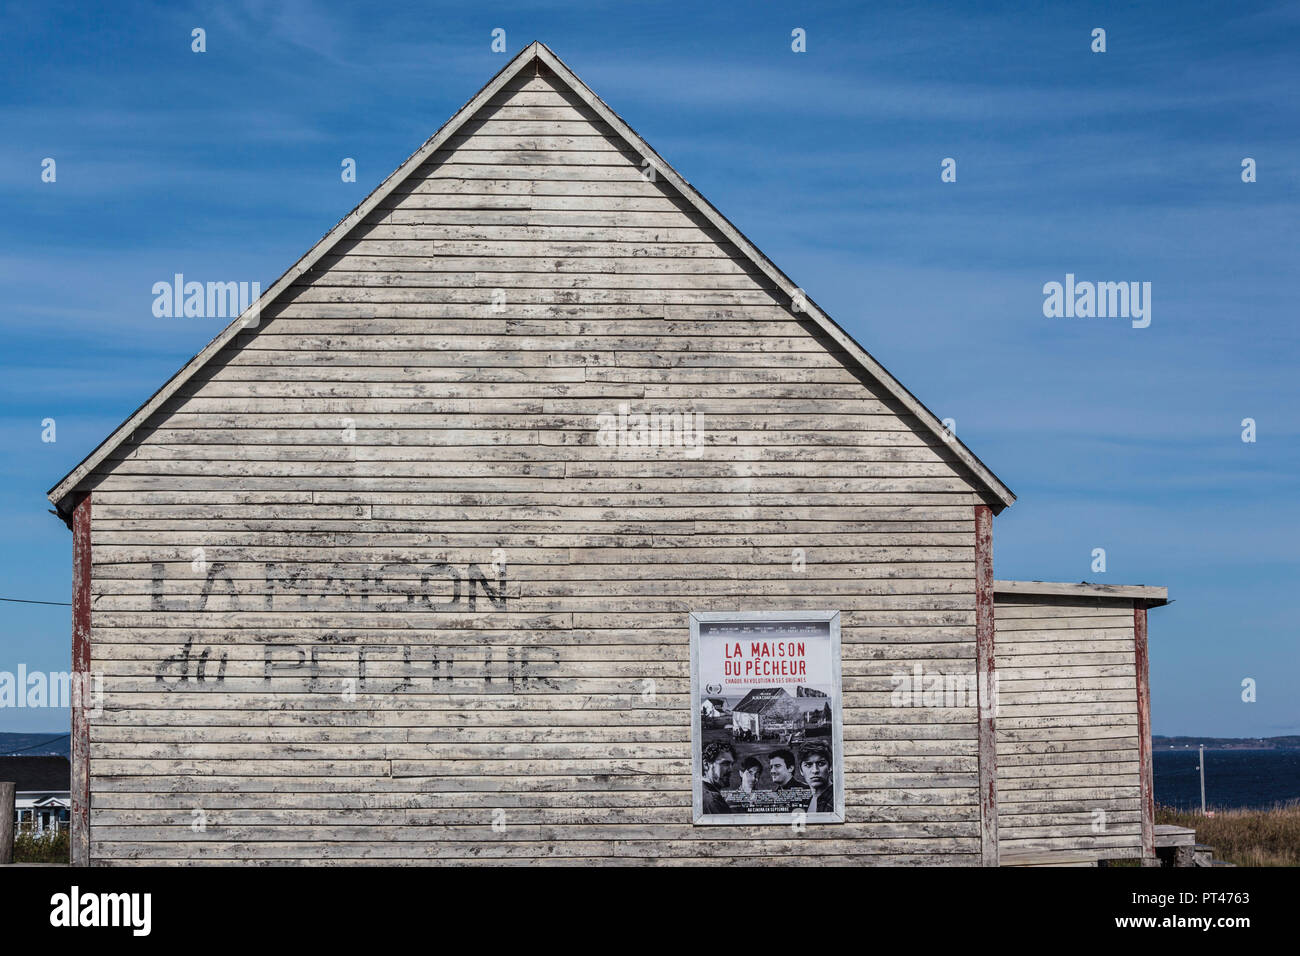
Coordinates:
[28,774]
[1145,595]
[760,699]
[998,494]
[52,802]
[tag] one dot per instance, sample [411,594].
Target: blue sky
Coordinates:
[1117,166]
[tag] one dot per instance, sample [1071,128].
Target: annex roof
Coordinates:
[1146,595]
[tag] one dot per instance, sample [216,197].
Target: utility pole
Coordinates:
[1202,768]
[7,822]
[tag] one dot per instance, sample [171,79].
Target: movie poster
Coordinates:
[767,741]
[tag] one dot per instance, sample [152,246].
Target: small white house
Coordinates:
[42,792]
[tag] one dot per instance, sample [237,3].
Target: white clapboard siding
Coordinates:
[1067,726]
[426,398]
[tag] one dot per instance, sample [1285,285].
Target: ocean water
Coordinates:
[1251,779]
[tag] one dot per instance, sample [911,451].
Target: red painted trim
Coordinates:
[1144,732]
[81,675]
[986,681]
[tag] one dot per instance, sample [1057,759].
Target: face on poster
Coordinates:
[767,720]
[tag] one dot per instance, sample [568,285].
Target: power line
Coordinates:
[25,601]
[34,746]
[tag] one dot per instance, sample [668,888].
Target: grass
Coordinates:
[1245,837]
[32,848]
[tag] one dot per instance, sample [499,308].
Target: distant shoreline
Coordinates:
[1225,743]
[1192,747]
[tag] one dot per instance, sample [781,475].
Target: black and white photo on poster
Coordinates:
[767,717]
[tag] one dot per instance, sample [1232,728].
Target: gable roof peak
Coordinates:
[997,494]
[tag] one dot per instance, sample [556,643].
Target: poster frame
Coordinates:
[698,817]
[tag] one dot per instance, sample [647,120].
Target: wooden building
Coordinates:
[398,568]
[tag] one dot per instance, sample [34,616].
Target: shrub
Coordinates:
[32,847]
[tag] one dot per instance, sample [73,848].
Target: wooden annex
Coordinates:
[1073,750]
[368,583]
